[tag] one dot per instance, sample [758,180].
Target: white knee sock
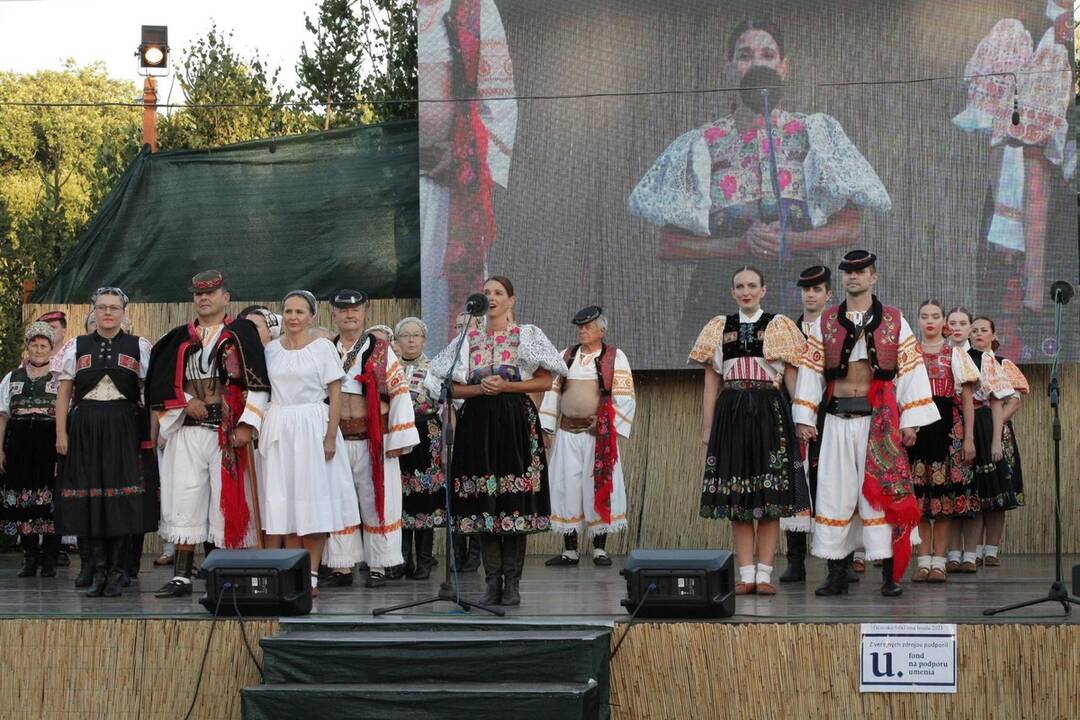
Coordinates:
[746,574]
[990,551]
[937,563]
[924,562]
[571,554]
[955,555]
[980,551]
[969,557]
[764,574]
[314,579]
[860,555]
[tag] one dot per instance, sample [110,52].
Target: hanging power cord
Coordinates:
[202,665]
[243,633]
[630,622]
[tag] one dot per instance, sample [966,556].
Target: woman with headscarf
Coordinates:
[306,488]
[28,454]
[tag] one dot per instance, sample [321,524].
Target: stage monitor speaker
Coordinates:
[687,583]
[264,582]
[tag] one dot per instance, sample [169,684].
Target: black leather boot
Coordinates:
[86,563]
[177,587]
[100,564]
[836,581]
[408,540]
[50,552]
[473,558]
[600,556]
[796,557]
[31,554]
[423,540]
[493,568]
[133,556]
[849,569]
[115,554]
[565,558]
[513,556]
[889,587]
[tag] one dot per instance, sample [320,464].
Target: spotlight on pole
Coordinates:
[153,51]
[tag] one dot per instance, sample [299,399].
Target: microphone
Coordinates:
[477,304]
[1061,292]
[761,80]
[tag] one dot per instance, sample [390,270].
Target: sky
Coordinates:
[40,34]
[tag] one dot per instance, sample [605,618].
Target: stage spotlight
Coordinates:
[154,49]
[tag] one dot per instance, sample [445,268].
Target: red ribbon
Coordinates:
[605,457]
[375,436]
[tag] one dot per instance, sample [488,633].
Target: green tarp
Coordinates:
[322,211]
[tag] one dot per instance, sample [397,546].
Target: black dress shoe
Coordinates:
[560,561]
[601,560]
[174,588]
[336,579]
[375,580]
[395,572]
[62,559]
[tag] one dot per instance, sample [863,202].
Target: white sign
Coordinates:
[911,658]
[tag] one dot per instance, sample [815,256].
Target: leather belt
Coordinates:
[575,425]
[212,419]
[849,407]
[357,428]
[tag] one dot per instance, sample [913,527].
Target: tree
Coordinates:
[211,74]
[330,73]
[56,166]
[389,29]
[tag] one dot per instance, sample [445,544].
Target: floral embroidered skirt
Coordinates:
[101,490]
[29,481]
[750,464]
[500,467]
[999,485]
[942,481]
[423,484]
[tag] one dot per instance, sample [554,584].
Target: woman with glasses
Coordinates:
[423,484]
[100,426]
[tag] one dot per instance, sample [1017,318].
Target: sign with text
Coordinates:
[912,658]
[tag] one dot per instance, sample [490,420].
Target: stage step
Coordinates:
[461,621]
[420,701]
[449,655]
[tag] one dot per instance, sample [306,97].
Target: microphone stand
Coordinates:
[1058,592]
[790,299]
[448,591]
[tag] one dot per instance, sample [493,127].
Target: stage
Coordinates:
[793,651]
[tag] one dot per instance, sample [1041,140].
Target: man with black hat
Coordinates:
[209,386]
[378,425]
[863,365]
[586,412]
[815,287]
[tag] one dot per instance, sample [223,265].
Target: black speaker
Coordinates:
[258,582]
[685,583]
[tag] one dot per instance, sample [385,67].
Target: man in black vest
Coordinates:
[586,412]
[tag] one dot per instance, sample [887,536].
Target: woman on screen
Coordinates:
[711,191]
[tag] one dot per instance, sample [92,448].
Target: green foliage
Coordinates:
[389,28]
[330,73]
[211,72]
[56,166]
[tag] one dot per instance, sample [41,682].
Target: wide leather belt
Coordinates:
[357,428]
[212,419]
[575,425]
[849,407]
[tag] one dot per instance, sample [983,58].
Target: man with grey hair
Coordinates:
[586,412]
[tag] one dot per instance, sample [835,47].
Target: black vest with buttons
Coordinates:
[745,339]
[118,357]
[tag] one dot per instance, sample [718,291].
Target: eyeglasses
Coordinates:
[410,336]
[109,308]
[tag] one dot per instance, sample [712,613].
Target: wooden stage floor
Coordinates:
[586,591]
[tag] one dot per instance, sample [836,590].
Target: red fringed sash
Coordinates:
[471,223]
[233,466]
[887,479]
[605,457]
[375,432]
